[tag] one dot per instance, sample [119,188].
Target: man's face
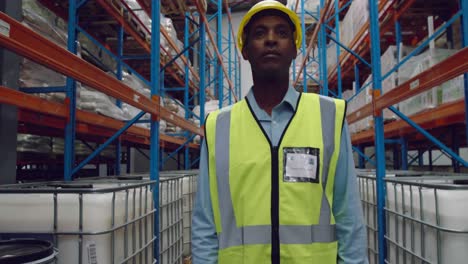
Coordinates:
[270,46]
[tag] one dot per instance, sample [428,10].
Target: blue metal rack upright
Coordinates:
[212,72]
[322,44]
[301,74]
[69,152]
[464,7]
[154,130]
[218,76]
[379,127]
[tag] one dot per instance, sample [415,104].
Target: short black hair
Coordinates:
[266,12]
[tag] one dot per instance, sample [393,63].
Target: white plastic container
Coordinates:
[176,198]
[114,219]
[189,188]
[437,205]
[170,221]
[368,193]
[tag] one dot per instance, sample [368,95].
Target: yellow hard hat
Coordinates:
[270,5]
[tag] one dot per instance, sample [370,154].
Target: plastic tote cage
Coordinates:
[425,215]
[368,194]
[89,222]
[189,188]
[427,220]
[176,196]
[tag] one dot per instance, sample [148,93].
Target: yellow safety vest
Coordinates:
[264,211]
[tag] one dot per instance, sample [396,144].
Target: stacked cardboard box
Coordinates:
[310,6]
[446,92]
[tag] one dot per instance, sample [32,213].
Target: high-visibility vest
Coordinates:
[262,215]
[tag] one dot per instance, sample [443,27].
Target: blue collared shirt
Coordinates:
[351,231]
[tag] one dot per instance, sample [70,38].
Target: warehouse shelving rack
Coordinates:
[43,117]
[303,78]
[126,17]
[362,56]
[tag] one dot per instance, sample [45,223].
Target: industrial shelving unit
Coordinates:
[133,37]
[447,123]
[136,49]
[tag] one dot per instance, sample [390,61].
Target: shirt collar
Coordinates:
[290,99]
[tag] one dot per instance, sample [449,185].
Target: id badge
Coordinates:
[301,164]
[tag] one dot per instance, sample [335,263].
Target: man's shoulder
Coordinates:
[229,107]
[321,97]
[224,109]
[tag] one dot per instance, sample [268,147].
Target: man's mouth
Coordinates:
[271,55]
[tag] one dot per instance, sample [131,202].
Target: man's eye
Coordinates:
[259,33]
[283,33]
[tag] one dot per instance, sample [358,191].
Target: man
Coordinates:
[277,181]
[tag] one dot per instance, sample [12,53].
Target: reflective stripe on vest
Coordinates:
[232,235]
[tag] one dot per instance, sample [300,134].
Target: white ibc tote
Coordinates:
[89,222]
[427,220]
[368,193]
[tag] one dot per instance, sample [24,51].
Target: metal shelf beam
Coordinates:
[444,115]
[31,45]
[86,120]
[448,69]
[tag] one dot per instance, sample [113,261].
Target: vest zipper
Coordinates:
[275,243]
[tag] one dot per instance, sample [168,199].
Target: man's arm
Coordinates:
[204,238]
[351,230]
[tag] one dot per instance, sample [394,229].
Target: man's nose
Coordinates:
[270,38]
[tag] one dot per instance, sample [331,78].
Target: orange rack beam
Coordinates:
[41,112]
[31,45]
[448,69]
[444,115]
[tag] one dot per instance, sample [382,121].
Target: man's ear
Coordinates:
[245,54]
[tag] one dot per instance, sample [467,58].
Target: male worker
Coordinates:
[277,181]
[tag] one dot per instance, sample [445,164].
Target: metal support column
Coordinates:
[219,65]
[70,127]
[9,76]
[118,143]
[430,160]
[338,52]
[237,75]
[186,91]
[357,81]
[128,159]
[404,154]
[202,71]
[464,20]
[361,160]
[230,61]
[154,131]
[398,40]
[304,47]
[379,127]
[322,42]
[396,157]
[449,34]
[456,149]
[420,158]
